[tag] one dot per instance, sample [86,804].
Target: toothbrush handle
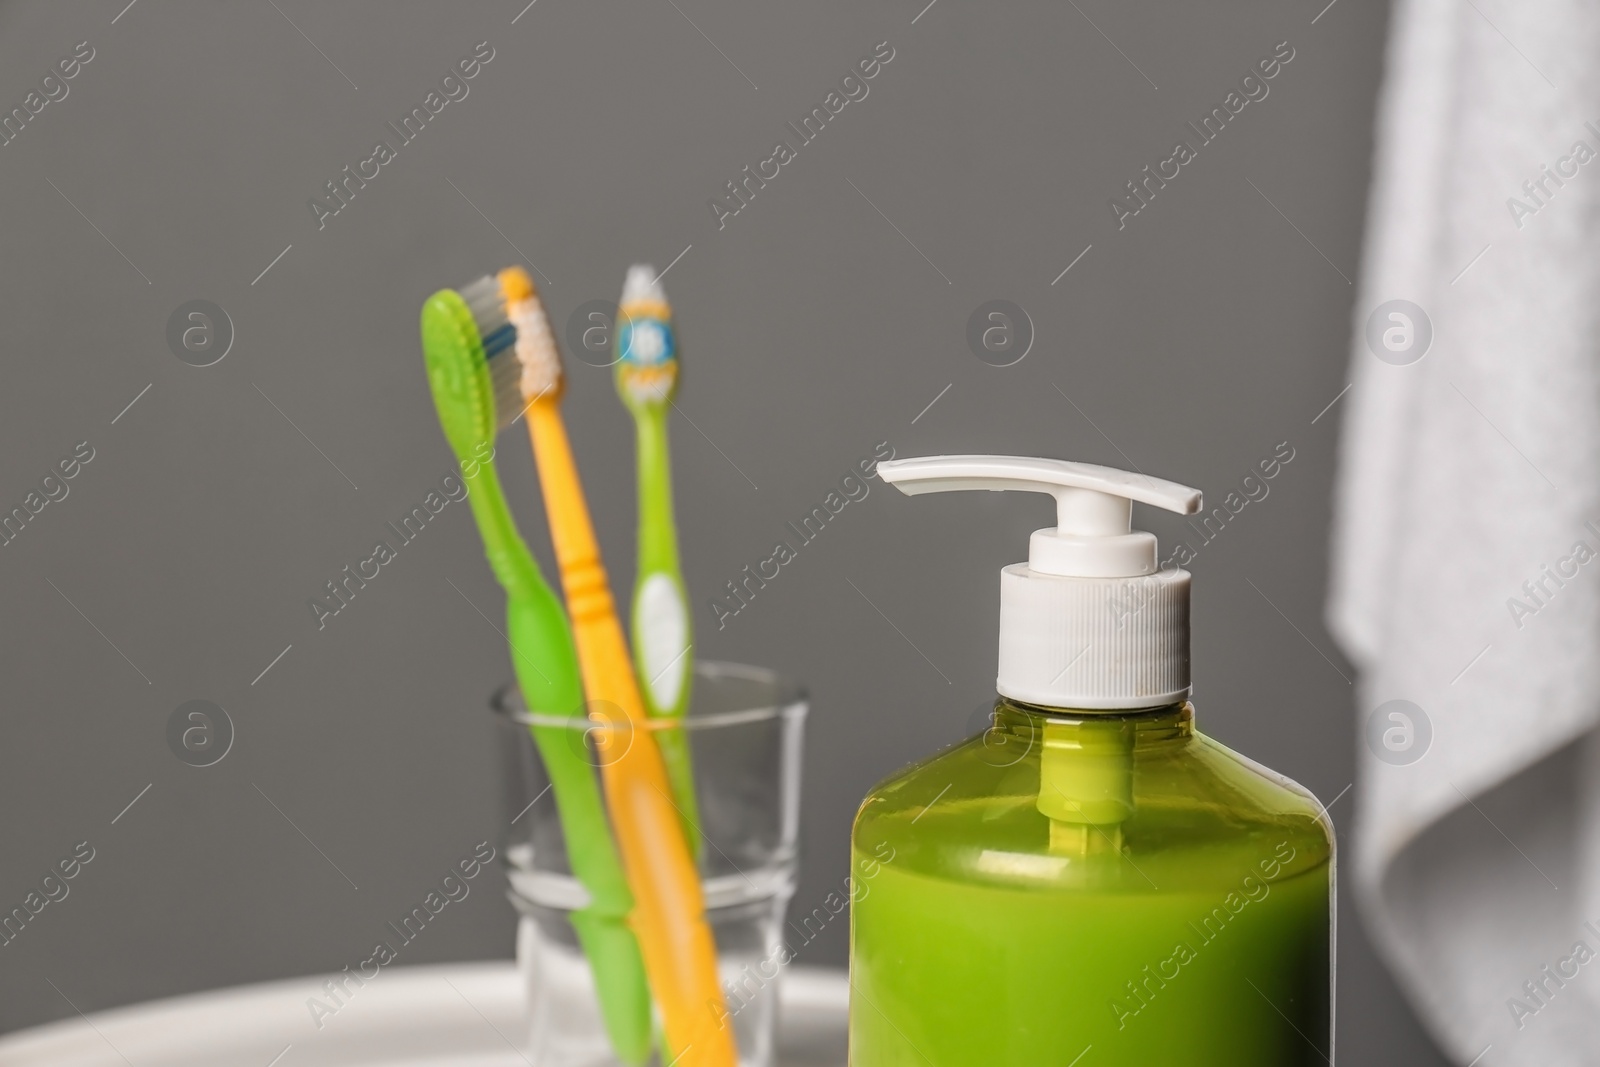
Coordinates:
[663,638]
[513,565]
[547,672]
[669,909]
[658,536]
[537,632]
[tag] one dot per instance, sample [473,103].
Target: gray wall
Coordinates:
[820,320]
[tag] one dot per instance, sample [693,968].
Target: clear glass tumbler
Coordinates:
[744,731]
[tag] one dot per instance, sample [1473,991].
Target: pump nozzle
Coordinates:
[1092,537]
[1087,623]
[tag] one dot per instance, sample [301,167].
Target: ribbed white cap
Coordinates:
[1088,622]
[1094,643]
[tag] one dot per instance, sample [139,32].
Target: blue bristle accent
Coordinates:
[499,337]
[499,341]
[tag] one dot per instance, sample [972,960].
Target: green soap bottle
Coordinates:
[1091,882]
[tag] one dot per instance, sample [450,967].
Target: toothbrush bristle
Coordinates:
[536,353]
[488,310]
[506,375]
[499,338]
[647,363]
[642,283]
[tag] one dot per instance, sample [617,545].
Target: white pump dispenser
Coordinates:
[1089,622]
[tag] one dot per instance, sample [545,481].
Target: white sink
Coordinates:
[450,1014]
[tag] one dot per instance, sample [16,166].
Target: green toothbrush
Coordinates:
[460,333]
[646,378]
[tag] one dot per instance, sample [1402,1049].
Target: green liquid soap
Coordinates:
[1090,882]
[1091,889]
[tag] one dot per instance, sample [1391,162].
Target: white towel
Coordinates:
[1462,476]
